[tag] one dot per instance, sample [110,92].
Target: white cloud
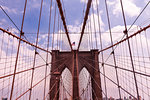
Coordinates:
[36,3]
[146,1]
[4,24]
[95,3]
[3,20]
[76,30]
[25,61]
[130,8]
[110,3]
[14,30]
[10,10]
[72,28]
[138,46]
[117,34]
[77,22]
[84,1]
[95,20]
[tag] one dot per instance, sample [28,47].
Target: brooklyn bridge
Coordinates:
[75,50]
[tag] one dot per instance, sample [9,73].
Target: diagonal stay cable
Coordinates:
[22,33]
[50,90]
[67,60]
[88,63]
[10,18]
[139,15]
[31,44]
[114,82]
[130,52]
[97,84]
[32,86]
[55,97]
[12,21]
[94,80]
[130,27]
[31,68]
[117,85]
[86,87]
[119,67]
[138,32]
[95,93]
[66,89]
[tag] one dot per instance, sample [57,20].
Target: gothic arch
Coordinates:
[75,61]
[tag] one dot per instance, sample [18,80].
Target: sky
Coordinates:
[74,19]
[74,16]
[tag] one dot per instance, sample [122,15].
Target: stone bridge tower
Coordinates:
[75,61]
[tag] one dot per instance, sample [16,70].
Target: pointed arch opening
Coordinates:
[66,85]
[85,91]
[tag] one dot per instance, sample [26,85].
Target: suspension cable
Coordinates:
[130,52]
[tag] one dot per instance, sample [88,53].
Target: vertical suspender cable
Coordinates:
[91,32]
[35,50]
[54,28]
[129,47]
[113,53]
[48,46]
[85,21]
[94,25]
[13,81]
[101,47]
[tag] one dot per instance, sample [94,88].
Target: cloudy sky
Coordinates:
[74,18]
